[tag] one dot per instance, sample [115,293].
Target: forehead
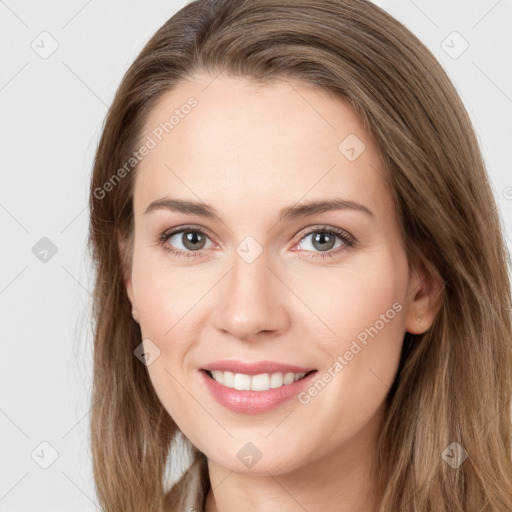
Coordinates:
[230,141]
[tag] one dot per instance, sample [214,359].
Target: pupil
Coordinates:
[321,238]
[191,239]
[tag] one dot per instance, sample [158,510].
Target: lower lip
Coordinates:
[253,402]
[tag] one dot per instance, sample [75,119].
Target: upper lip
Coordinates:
[255,368]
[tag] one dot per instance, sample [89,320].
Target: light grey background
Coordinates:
[52,111]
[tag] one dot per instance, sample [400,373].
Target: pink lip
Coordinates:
[254,368]
[254,402]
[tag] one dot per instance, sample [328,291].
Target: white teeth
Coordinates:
[228,379]
[217,375]
[242,382]
[276,380]
[260,382]
[289,378]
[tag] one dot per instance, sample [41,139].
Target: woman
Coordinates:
[299,268]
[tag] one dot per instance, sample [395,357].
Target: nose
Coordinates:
[251,301]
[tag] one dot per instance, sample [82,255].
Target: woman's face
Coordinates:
[297,260]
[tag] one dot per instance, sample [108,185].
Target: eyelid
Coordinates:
[343,234]
[187,227]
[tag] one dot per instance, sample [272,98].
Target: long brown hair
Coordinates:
[454,383]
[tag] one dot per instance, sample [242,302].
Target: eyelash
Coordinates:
[347,239]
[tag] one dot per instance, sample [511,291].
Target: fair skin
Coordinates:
[250,151]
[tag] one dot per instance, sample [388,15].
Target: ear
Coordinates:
[425,292]
[127,277]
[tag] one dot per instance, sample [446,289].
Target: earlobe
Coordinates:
[426,296]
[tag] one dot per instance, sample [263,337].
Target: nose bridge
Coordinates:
[250,301]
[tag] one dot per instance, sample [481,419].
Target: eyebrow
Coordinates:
[290,212]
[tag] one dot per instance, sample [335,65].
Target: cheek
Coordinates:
[165,295]
[364,306]
[167,302]
[362,311]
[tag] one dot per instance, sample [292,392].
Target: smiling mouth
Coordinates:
[260,382]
